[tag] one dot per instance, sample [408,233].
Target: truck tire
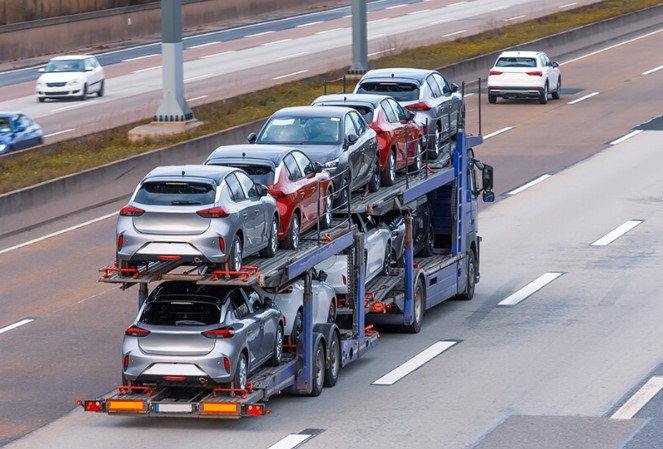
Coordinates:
[419,305]
[277,352]
[471,278]
[318,368]
[332,371]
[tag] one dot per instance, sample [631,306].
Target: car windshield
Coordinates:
[5,125]
[516,62]
[301,130]
[175,193]
[400,91]
[182,310]
[65,65]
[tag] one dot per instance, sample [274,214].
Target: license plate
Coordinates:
[173,408]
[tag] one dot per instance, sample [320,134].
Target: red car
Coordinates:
[398,134]
[303,191]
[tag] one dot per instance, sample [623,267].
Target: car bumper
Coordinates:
[61,92]
[515,91]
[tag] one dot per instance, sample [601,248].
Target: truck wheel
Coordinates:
[332,371]
[277,353]
[471,278]
[318,369]
[419,302]
[239,379]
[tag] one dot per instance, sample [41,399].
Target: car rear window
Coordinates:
[400,91]
[262,174]
[175,194]
[516,62]
[178,311]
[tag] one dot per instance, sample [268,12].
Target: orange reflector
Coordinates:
[220,407]
[121,405]
[378,307]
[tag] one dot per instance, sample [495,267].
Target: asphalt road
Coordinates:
[559,363]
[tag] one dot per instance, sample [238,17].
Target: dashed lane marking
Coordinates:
[415,362]
[530,289]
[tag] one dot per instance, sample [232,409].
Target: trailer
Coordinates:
[397,299]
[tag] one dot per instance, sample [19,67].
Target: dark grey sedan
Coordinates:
[338,138]
[201,335]
[198,215]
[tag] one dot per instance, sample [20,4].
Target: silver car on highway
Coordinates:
[201,335]
[198,215]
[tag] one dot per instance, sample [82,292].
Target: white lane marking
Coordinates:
[290,74]
[395,6]
[612,46]
[626,137]
[454,33]
[500,8]
[259,34]
[382,51]
[529,184]
[415,362]
[568,5]
[204,45]
[417,12]
[75,106]
[656,69]
[198,98]
[139,57]
[377,36]
[15,325]
[60,132]
[617,232]
[329,31]
[376,20]
[583,98]
[511,19]
[54,234]
[456,4]
[437,22]
[499,131]
[639,399]
[291,441]
[199,77]
[266,44]
[217,54]
[308,24]
[530,289]
[147,69]
[302,53]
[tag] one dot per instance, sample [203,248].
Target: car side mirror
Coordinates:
[351,139]
[322,275]
[555,65]
[454,87]
[252,137]
[410,115]
[318,167]
[262,190]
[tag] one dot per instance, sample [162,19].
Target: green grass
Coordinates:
[23,170]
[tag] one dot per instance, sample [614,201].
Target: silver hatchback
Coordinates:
[201,335]
[197,215]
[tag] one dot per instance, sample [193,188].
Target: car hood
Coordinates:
[61,77]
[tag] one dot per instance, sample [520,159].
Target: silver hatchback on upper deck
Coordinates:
[197,214]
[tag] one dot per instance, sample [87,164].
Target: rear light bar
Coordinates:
[418,107]
[536,73]
[130,211]
[135,331]
[227,408]
[169,258]
[213,213]
[224,332]
[126,405]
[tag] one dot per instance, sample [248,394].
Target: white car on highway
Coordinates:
[74,76]
[524,74]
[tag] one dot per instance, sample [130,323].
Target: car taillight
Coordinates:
[345,279]
[224,332]
[130,211]
[418,107]
[536,73]
[135,331]
[494,72]
[213,213]
[120,242]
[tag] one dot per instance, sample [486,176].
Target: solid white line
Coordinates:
[200,77]
[376,21]
[204,45]
[302,53]
[456,4]
[259,34]
[15,325]
[217,54]
[291,441]
[308,24]
[329,31]
[417,12]
[529,289]
[139,57]
[611,47]
[395,6]
[454,33]
[639,399]
[500,8]
[37,240]
[437,22]
[626,137]
[276,42]
[382,51]
[583,98]
[60,132]
[618,232]
[511,19]
[75,106]
[649,72]
[415,362]
[198,98]
[290,74]
[568,5]
[147,70]
[529,184]
[377,36]
[500,131]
